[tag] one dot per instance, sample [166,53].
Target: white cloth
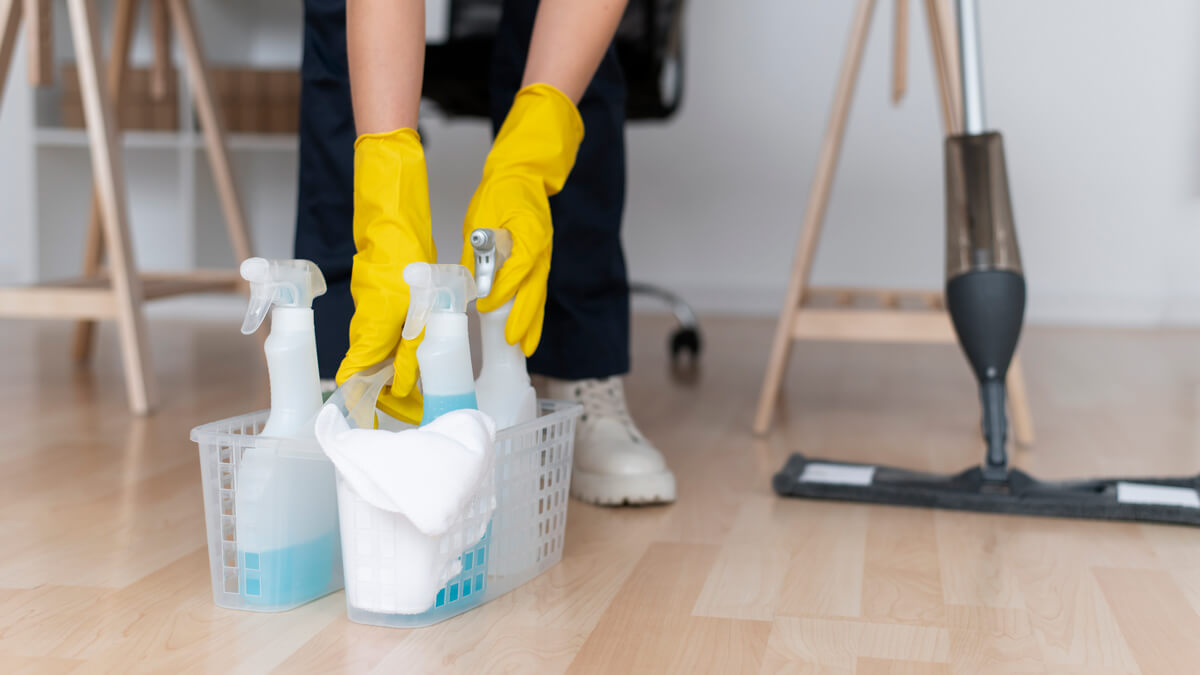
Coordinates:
[428,474]
[423,483]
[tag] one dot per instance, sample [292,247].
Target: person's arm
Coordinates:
[569,40]
[385,42]
[386,48]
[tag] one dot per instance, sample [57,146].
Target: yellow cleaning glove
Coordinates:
[529,162]
[391,229]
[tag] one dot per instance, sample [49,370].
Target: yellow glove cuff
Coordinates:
[540,137]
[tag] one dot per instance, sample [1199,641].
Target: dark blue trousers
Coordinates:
[586,332]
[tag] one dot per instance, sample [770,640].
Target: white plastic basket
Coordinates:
[523,539]
[288,571]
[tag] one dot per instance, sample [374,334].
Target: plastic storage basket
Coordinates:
[523,538]
[269,549]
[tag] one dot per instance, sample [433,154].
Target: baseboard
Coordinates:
[1044,308]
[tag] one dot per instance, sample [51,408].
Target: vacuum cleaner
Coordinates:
[985,296]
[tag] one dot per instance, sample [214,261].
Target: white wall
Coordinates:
[1098,103]
[1097,100]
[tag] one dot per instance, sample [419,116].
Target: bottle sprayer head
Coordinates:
[281,283]
[435,288]
[492,248]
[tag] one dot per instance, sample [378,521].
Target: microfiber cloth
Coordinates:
[405,498]
[429,474]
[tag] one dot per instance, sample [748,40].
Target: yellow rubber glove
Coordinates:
[391,229]
[529,162]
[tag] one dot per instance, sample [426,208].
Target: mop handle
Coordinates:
[970,69]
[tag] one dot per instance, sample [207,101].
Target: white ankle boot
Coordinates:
[614,463]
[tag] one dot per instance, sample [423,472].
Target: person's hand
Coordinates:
[529,162]
[391,230]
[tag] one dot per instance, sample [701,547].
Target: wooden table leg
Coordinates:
[110,181]
[818,200]
[125,18]
[900,52]
[161,69]
[1020,413]
[945,64]
[39,42]
[10,15]
[214,131]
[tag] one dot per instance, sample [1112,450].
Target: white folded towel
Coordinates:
[428,474]
[429,477]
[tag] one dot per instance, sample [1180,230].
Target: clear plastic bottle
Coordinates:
[439,295]
[504,390]
[286,499]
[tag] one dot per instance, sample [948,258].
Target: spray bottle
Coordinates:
[286,500]
[503,387]
[289,287]
[438,300]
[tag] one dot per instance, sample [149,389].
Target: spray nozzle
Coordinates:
[435,288]
[492,248]
[282,283]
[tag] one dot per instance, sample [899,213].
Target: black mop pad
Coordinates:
[1155,500]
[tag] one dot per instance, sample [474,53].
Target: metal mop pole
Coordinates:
[971,72]
[985,286]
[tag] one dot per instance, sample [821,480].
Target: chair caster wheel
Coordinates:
[685,339]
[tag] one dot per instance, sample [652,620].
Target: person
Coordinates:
[554,177]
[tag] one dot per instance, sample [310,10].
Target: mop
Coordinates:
[985,297]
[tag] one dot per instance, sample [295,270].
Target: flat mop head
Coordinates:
[1154,500]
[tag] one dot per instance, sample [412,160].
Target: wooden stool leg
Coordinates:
[93,250]
[214,131]
[818,200]
[899,51]
[39,41]
[945,65]
[1020,414]
[10,16]
[161,68]
[110,181]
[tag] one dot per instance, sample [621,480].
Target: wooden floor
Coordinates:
[103,566]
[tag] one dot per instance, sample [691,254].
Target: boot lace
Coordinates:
[605,398]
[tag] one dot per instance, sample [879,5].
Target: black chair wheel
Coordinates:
[685,340]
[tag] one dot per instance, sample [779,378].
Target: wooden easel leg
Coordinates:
[818,200]
[39,41]
[125,16]
[110,181]
[10,16]
[1021,415]
[161,69]
[214,131]
[945,65]
[900,51]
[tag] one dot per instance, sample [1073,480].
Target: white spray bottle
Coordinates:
[286,500]
[438,300]
[289,287]
[503,388]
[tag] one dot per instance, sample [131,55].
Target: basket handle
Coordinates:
[357,395]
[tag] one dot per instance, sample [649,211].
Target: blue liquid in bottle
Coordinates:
[474,574]
[291,575]
[437,405]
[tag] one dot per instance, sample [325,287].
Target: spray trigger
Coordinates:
[435,289]
[492,248]
[282,283]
